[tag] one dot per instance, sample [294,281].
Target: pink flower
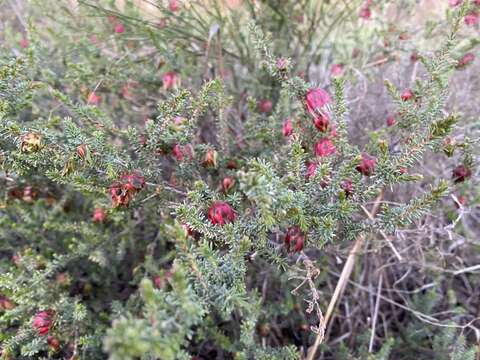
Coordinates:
[221,213]
[365,13]
[324,147]
[367,165]
[170,80]
[471,19]
[315,100]
[177,152]
[281,64]
[390,121]
[294,239]
[453,3]
[174,5]
[99,215]
[119,28]
[287,128]
[24,43]
[465,60]
[42,321]
[336,69]
[93,38]
[94,99]
[311,170]
[227,183]
[265,106]
[321,122]
[407,94]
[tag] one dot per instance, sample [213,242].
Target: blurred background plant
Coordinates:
[124,122]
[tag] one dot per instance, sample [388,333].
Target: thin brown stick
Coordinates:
[344,277]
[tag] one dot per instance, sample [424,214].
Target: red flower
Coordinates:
[287,128]
[99,215]
[390,121]
[124,190]
[221,213]
[365,13]
[324,147]
[311,170]
[336,69]
[471,19]
[294,239]
[407,94]
[42,321]
[347,187]
[93,99]
[265,106]
[53,342]
[461,173]
[465,60]
[119,28]
[178,152]
[210,159]
[227,183]
[367,165]
[321,122]
[315,100]
[174,5]
[24,43]
[170,80]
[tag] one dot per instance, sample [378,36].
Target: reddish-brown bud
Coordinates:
[42,321]
[367,165]
[227,183]
[294,239]
[461,173]
[287,128]
[221,213]
[324,147]
[210,159]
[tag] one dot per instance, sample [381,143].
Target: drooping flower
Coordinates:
[210,159]
[24,43]
[42,321]
[93,99]
[170,80]
[311,170]
[294,239]
[287,128]
[119,28]
[367,165]
[461,173]
[324,147]
[177,152]
[315,100]
[82,151]
[221,213]
[365,13]
[125,189]
[174,5]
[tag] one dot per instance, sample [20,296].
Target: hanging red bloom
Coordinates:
[221,213]
[294,239]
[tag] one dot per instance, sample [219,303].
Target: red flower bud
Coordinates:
[221,213]
[82,151]
[465,60]
[227,183]
[177,152]
[119,28]
[407,95]
[24,43]
[53,342]
[265,106]
[365,13]
[321,122]
[336,69]
[287,128]
[174,5]
[42,321]
[170,80]
[311,170]
[99,215]
[390,121]
[315,100]
[471,19]
[124,190]
[461,173]
[367,165]
[294,239]
[93,99]
[324,147]
[347,187]
[210,159]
